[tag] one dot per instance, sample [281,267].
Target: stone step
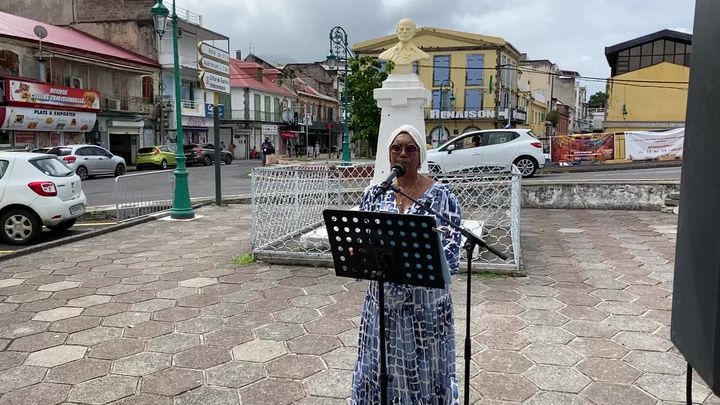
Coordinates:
[669,202]
[674,195]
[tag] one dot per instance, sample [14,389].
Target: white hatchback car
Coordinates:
[36,190]
[90,160]
[495,148]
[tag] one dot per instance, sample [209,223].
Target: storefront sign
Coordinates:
[477,114]
[36,94]
[188,121]
[41,119]
[209,111]
[269,130]
[642,145]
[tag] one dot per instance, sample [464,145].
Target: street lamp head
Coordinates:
[159,15]
[331,59]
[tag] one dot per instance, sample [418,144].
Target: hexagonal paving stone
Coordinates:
[111,308]
[78,371]
[207,395]
[199,325]
[37,342]
[144,399]
[124,319]
[198,301]
[9,282]
[94,336]
[172,381]
[552,354]
[279,331]
[153,305]
[493,340]
[28,297]
[55,356]
[313,344]
[343,358]
[547,334]
[329,326]
[259,351]
[202,357]
[602,393]
[250,320]
[149,329]
[40,394]
[11,359]
[590,329]
[59,286]
[57,314]
[311,301]
[89,301]
[134,297]
[633,323]
[295,367]
[329,383]
[267,305]
[642,341]
[177,292]
[223,309]
[297,315]
[75,324]
[502,323]
[173,343]
[198,282]
[555,378]
[142,363]
[503,361]
[671,388]
[583,313]
[73,293]
[501,308]
[273,391]
[656,362]
[243,296]
[228,337]
[103,390]
[546,303]
[556,398]
[543,317]
[503,387]
[176,314]
[220,289]
[21,376]
[116,349]
[609,370]
[235,374]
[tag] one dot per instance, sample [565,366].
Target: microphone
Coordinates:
[395,171]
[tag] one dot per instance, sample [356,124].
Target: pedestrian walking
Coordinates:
[267,149]
[231,149]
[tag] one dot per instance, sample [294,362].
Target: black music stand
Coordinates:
[385,247]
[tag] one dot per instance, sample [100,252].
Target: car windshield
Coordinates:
[51,167]
[60,151]
[146,150]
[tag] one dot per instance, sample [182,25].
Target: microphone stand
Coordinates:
[471,240]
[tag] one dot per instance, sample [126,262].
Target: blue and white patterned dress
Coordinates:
[420,330]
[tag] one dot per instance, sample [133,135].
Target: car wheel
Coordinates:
[82,172]
[20,226]
[228,159]
[206,160]
[526,165]
[164,164]
[119,170]
[62,226]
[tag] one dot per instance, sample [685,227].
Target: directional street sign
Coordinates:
[214,71]
[214,66]
[214,82]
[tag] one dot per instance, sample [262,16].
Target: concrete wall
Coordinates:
[646,195]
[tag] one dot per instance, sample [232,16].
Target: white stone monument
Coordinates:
[402,97]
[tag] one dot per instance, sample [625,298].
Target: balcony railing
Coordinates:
[185,14]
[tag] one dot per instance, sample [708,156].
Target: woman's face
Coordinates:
[404,152]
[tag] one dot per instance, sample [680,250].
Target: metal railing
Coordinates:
[287,206]
[141,194]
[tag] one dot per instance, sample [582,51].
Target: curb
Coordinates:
[609,167]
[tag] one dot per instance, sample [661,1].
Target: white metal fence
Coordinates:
[287,205]
[141,194]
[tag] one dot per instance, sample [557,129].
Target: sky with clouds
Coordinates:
[572,34]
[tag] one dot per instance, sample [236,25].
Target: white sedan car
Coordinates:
[494,148]
[90,160]
[36,190]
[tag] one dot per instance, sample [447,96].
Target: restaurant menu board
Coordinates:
[40,119]
[29,93]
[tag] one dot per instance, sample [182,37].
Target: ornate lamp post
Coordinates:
[181,208]
[339,46]
[451,100]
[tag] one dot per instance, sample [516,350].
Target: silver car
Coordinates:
[90,160]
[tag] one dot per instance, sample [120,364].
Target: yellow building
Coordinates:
[462,73]
[648,85]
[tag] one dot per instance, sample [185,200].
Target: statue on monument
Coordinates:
[405,52]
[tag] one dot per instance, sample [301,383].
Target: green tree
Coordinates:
[598,100]
[364,77]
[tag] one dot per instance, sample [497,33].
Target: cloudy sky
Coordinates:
[572,35]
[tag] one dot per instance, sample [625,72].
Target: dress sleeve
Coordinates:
[451,238]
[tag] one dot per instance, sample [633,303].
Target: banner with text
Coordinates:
[644,145]
[576,148]
[31,94]
[41,119]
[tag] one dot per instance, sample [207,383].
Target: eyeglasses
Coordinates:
[409,149]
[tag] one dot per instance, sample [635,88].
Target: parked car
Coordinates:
[495,148]
[36,190]
[40,150]
[205,153]
[90,160]
[158,156]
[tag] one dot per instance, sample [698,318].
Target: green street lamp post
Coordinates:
[338,46]
[181,208]
[451,99]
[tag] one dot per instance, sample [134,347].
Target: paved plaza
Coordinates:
[159,314]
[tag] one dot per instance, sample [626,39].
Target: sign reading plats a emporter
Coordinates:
[214,71]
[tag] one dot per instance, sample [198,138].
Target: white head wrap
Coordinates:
[416,136]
